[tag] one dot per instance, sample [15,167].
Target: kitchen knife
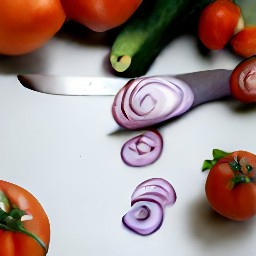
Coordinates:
[72,85]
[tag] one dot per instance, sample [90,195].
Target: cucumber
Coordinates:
[147,32]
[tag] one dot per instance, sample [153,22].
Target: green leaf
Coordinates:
[217,155]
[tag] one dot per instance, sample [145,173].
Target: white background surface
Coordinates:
[61,149]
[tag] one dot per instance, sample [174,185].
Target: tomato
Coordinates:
[231,185]
[100,15]
[243,80]
[218,22]
[244,42]
[26,25]
[14,203]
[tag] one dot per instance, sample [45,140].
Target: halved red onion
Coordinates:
[148,203]
[146,101]
[157,182]
[144,217]
[143,149]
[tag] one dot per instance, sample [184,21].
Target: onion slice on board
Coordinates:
[148,202]
[143,149]
[156,182]
[155,192]
[144,217]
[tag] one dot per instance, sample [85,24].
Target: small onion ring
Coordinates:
[156,192]
[146,101]
[167,186]
[143,149]
[149,222]
[148,202]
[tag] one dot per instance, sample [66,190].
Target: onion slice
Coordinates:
[142,150]
[154,192]
[146,101]
[154,183]
[148,202]
[144,217]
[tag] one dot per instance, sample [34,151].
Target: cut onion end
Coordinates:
[146,101]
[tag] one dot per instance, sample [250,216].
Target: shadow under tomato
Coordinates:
[75,32]
[243,108]
[213,229]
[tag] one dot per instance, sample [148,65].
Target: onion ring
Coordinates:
[148,202]
[143,149]
[144,217]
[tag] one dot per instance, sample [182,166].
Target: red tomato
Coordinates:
[27,24]
[231,186]
[244,42]
[100,15]
[243,80]
[218,22]
[16,199]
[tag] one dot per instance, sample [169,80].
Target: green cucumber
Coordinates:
[153,25]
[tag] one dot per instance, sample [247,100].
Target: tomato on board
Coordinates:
[24,225]
[100,15]
[26,25]
[231,184]
[243,80]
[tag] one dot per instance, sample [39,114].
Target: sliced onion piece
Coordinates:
[143,149]
[151,197]
[154,192]
[146,101]
[144,217]
[157,182]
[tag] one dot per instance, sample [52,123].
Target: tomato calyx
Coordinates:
[244,172]
[217,155]
[11,219]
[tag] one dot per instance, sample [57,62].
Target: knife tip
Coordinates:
[24,80]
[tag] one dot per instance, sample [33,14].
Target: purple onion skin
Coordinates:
[208,85]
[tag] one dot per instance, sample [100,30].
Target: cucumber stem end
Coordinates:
[120,63]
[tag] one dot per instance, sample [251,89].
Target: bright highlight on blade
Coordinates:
[71,85]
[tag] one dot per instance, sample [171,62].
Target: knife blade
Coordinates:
[72,85]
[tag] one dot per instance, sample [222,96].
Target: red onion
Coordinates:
[155,192]
[147,101]
[143,149]
[144,217]
[156,185]
[148,201]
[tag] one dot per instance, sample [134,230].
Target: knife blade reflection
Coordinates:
[72,85]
